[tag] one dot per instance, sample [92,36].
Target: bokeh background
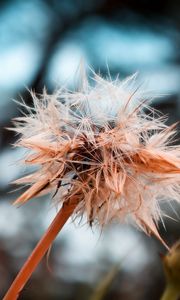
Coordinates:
[41,44]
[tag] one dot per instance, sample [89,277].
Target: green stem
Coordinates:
[170,293]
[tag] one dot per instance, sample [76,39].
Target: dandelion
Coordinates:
[102,152]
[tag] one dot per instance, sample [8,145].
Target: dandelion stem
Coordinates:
[40,250]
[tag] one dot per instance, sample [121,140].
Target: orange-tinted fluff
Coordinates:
[99,145]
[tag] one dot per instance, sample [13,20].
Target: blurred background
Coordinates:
[41,44]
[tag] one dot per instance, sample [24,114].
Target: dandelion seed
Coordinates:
[99,144]
[98,149]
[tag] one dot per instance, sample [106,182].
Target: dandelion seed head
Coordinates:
[104,145]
